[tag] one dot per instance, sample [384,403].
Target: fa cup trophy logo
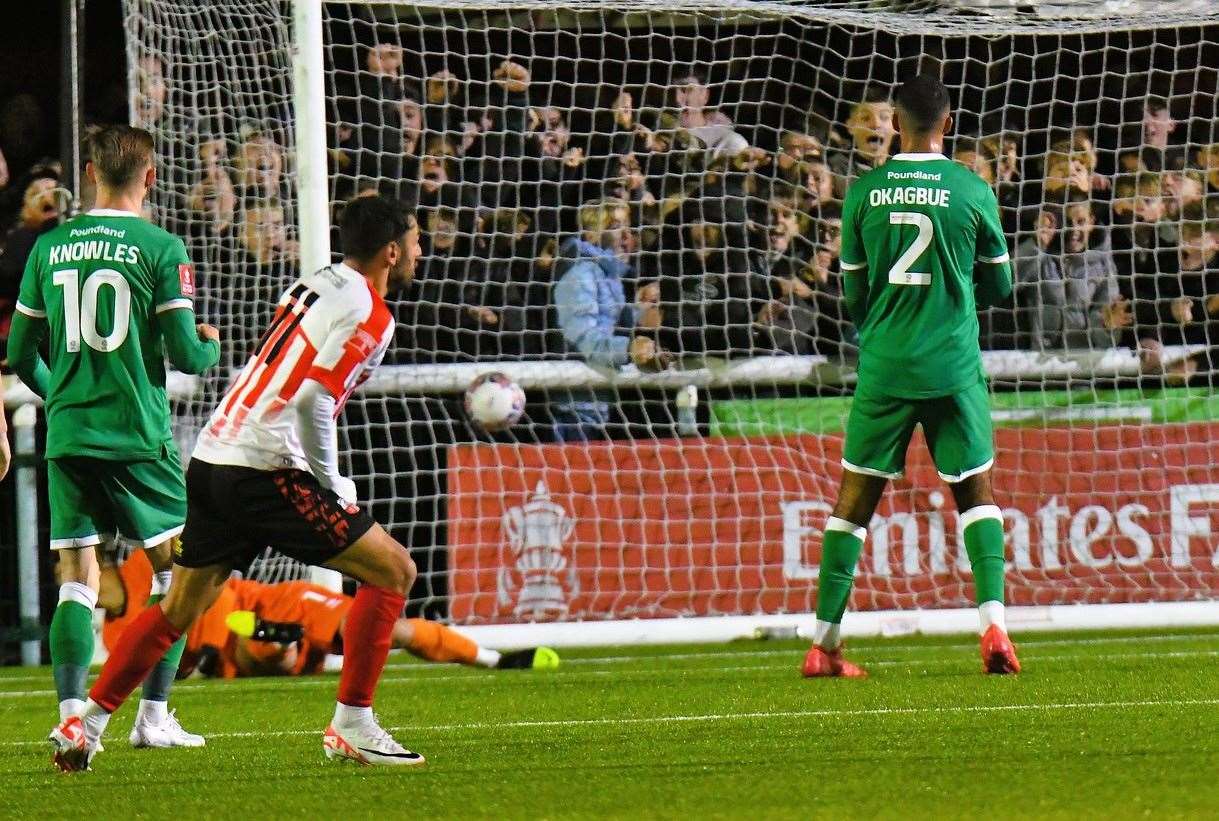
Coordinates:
[538,574]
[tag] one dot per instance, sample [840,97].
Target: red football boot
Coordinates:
[73,752]
[998,652]
[822,663]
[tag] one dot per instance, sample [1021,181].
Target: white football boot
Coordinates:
[168,733]
[366,743]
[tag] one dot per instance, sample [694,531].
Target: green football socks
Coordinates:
[843,543]
[71,642]
[983,529]
[840,551]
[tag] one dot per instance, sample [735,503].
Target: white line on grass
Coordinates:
[862,652]
[865,649]
[713,717]
[875,711]
[486,678]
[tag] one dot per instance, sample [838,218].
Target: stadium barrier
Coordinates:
[494,482]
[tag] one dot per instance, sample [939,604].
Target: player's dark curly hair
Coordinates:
[921,102]
[369,223]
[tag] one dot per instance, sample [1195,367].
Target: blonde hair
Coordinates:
[1082,144]
[595,215]
[862,105]
[1142,184]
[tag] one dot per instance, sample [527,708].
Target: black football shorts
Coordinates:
[234,513]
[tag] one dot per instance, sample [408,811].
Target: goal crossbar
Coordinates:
[405,380]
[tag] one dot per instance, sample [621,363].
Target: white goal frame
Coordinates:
[313,230]
[313,223]
[313,211]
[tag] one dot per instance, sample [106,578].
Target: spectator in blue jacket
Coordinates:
[595,319]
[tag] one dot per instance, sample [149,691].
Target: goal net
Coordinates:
[634,210]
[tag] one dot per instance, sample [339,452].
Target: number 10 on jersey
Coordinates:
[80,309]
[900,273]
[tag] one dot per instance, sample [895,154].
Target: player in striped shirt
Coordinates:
[265,472]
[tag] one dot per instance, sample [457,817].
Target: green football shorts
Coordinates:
[143,502]
[957,428]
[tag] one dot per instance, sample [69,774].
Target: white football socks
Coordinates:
[827,635]
[346,716]
[70,707]
[160,582]
[487,658]
[991,613]
[154,712]
[95,719]
[78,592]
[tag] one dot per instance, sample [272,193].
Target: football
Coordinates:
[494,401]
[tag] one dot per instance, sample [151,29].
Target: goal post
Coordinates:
[309,105]
[312,185]
[726,132]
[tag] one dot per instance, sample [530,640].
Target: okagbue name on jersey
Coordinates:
[909,195]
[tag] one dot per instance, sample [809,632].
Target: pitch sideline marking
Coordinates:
[863,653]
[269,683]
[875,711]
[711,717]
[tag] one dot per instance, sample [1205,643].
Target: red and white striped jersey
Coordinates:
[330,326]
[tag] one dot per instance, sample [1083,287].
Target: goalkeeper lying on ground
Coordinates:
[257,629]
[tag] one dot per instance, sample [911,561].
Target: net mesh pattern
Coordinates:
[710,146]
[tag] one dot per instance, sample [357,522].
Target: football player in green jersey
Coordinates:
[115,295]
[913,232]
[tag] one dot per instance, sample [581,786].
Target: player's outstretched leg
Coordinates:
[435,642]
[155,725]
[141,646]
[387,572]
[982,524]
[843,542]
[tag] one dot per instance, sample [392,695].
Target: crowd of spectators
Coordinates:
[32,193]
[593,226]
[621,234]
[639,235]
[29,205]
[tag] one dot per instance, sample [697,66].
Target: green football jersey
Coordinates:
[912,231]
[99,281]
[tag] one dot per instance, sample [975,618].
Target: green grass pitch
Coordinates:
[1100,725]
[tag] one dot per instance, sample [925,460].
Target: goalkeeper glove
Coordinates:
[245,623]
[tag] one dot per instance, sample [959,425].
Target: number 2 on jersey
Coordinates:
[900,273]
